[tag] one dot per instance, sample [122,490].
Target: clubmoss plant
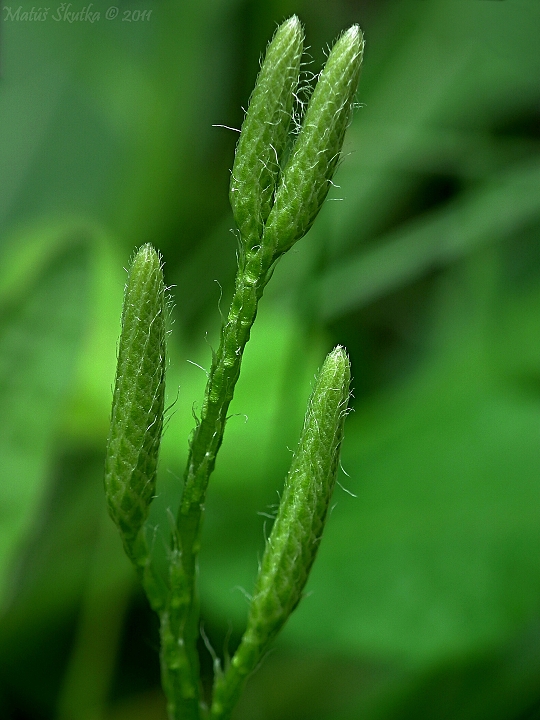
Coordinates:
[275,194]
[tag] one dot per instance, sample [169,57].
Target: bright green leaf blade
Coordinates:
[40,331]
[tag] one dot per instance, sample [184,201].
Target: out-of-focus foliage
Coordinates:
[425,598]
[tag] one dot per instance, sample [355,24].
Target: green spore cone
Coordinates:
[264,132]
[294,540]
[306,179]
[137,410]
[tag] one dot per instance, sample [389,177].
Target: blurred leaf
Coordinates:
[88,409]
[438,82]
[437,558]
[496,685]
[28,104]
[40,331]
[502,207]
[88,677]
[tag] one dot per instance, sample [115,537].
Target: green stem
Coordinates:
[180,620]
[229,685]
[208,435]
[179,668]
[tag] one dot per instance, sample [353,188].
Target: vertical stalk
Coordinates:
[180,619]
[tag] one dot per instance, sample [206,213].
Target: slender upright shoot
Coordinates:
[279,182]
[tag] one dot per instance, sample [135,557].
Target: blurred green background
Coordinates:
[425,263]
